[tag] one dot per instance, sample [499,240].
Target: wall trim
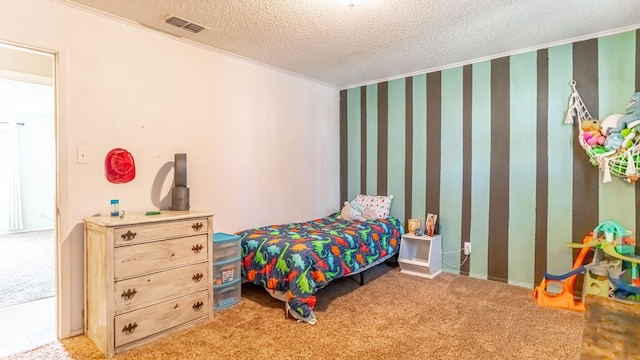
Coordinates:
[25,77]
[190,42]
[495,56]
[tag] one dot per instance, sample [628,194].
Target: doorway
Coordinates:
[28,198]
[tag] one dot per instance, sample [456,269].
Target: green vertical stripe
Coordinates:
[451,159]
[616,70]
[372,135]
[465,227]
[480,168]
[637,33]
[383,134]
[419,146]
[396,130]
[522,167]
[353,141]
[343,148]
[560,139]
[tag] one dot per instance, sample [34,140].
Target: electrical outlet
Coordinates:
[467,248]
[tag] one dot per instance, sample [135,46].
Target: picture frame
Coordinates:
[412,225]
[430,224]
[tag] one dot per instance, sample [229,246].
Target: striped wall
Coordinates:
[484,146]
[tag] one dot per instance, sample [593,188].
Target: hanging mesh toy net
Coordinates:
[623,161]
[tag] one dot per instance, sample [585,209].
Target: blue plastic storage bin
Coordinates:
[225,247]
[226,271]
[226,295]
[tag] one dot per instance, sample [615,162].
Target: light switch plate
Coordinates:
[83,155]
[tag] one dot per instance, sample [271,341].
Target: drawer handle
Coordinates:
[129,329]
[197,277]
[129,236]
[196,226]
[129,294]
[197,248]
[198,306]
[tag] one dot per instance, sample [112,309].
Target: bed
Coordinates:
[293,261]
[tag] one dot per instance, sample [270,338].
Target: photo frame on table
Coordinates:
[413,225]
[430,224]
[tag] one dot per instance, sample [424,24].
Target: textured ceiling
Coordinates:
[377,39]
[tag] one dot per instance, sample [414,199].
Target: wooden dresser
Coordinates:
[146,276]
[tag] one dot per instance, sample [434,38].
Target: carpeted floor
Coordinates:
[26,267]
[394,316]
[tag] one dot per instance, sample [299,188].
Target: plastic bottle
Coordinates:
[115,207]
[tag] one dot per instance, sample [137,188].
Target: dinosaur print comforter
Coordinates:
[300,258]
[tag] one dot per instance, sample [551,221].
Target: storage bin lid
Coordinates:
[222,237]
[227,262]
[224,286]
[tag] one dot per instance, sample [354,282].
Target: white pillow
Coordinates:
[380,204]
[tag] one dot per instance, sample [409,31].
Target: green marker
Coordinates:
[152,213]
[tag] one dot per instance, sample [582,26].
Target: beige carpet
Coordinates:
[26,267]
[394,316]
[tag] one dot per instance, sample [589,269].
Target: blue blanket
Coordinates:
[300,258]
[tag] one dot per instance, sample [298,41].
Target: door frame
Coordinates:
[62,288]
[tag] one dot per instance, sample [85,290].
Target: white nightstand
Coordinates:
[421,255]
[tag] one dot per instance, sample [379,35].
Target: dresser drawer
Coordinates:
[140,233]
[147,321]
[139,291]
[148,257]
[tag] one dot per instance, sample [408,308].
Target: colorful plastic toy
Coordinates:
[564,299]
[607,275]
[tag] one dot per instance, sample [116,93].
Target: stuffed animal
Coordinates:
[591,125]
[354,211]
[591,132]
[631,120]
[609,123]
[345,212]
[369,214]
[613,142]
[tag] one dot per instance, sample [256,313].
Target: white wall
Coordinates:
[262,145]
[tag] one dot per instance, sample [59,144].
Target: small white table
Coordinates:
[421,255]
